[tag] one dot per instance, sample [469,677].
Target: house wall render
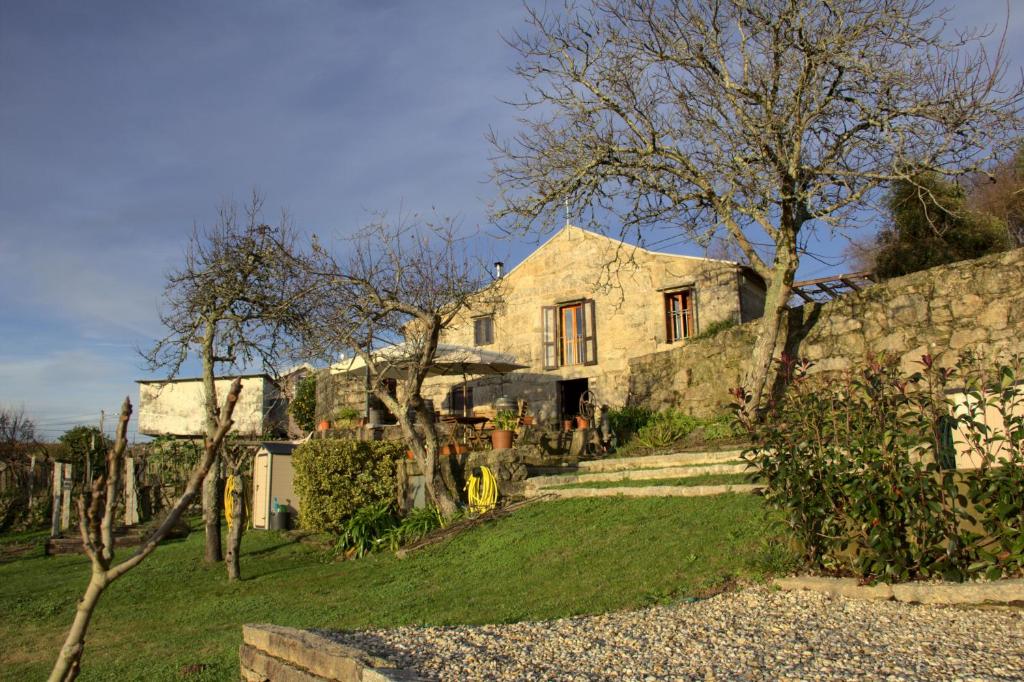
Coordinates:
[177,408]
[973,305]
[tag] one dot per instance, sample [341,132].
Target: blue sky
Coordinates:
[123,123]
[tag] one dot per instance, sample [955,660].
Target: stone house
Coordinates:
[175,407]
[578,308]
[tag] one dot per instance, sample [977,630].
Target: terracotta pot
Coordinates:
[324,425]
[501,440]
[527,421]
[409,455]
[567,425]
[582,422]
[452,449]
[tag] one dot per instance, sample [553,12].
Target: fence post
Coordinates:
[65,497]
[131,498]
[58,471]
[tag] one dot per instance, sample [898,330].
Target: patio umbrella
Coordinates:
[449,360]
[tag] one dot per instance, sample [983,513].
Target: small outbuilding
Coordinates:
[273,479]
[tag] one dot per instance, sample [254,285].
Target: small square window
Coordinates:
[483,331]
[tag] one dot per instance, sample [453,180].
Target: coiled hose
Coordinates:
[482,489]
[229,501]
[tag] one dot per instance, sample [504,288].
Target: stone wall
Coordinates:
[974,305]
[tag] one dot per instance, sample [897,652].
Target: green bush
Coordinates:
[861,468]
[376,526]
[626,421]
[665,428]
[335,477]
[715,328]
[303,406]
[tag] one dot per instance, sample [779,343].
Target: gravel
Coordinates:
[754,634]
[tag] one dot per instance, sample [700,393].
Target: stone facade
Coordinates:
[627,285]
[974,305]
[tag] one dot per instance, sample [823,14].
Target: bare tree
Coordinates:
[231,305]
[403,282]
[96,512]
[1000,192]
[761,120]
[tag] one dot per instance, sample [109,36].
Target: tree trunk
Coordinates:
[69,661]
[211,515]
[238,521]
[772,335]
[437,489]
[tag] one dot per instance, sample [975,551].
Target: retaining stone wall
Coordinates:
[975,305]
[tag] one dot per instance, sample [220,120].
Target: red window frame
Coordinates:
[679,317]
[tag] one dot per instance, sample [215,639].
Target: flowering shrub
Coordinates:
[863,468]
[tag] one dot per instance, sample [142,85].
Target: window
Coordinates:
[569,335]
[678,315]
[460,400]
[483,331]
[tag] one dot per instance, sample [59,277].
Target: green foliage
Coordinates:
[303,406]
[722,427]
[715,328]
[170,460]
[665,428]
[367,529]
[860,469]
[82,441]
[377,526]
[505,420]
[334,477]
[933,226]
[626,421]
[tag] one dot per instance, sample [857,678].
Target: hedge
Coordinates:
[335,477]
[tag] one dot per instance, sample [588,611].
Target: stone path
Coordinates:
[652,468]
[755,634]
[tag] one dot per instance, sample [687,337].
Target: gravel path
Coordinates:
[755,634]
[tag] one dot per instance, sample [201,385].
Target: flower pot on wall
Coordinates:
[567,425]
[324,425]
[501,440]
[453,449]
[582,422]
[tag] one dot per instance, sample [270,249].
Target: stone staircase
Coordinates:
[654,468]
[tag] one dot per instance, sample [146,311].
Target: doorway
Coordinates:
[569,394]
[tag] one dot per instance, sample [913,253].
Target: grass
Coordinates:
[703,479]
[546,561]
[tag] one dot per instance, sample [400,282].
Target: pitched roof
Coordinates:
[579,230]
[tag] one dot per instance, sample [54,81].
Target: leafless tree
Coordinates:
[231,305]
[403,282]
[1000,192]
[762,120]
[96,513]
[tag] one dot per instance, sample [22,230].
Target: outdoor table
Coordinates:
[475,433]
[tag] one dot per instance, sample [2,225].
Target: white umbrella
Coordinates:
[449,360]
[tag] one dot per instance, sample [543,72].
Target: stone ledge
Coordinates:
[271,652]
[996,592]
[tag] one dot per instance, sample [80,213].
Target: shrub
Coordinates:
[626,421]
[665,428]
[335,477]
[715,328]
[367,528]
[303,406]
[861,469]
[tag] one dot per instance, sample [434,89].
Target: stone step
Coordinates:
[539,482]
[657,461]
[649,491]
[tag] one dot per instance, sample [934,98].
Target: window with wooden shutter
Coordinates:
[589,333]
[679,315]
[549,340]
[483,331]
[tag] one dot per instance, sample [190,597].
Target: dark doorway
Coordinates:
[569,394]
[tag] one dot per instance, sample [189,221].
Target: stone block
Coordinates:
[996,592]
[837,587]
[314,653]
[259,665]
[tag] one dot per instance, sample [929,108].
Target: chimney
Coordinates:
[499,269]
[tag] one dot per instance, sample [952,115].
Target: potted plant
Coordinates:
[345,417]
[504,425]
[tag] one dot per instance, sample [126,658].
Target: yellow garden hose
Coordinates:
[229,503]
[483,491]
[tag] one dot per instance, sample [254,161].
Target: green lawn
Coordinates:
[703,479]
[546,560]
